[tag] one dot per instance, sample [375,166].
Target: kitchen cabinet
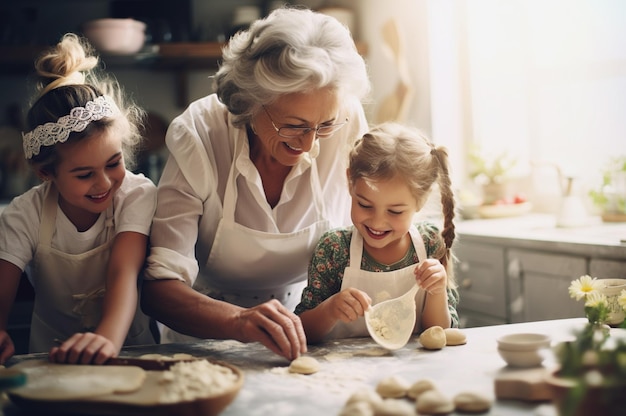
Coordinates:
[538,285]
[519,269]
[481,287]
[607,269]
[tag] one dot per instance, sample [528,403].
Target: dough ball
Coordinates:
[433,402]
[434,338]
[392,387]
[454,336]
[472,402]
[394,407]
[419,387]
[304,365]
[364,395]
[357,408]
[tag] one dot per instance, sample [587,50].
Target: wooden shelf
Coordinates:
[179,57]
[165,56]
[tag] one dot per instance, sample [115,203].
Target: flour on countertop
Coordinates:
[192,380]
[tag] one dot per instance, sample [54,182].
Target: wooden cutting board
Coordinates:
[141,397]
[526,384]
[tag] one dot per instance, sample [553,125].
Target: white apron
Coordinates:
[379,286]
[247,267]
[69,288]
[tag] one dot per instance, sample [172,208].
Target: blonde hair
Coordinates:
[392,150]
[68,77]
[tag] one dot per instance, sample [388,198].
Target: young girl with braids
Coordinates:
[82,234]
[391,172]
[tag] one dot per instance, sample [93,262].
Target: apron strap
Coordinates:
[49,215]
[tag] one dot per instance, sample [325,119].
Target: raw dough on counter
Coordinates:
[50,381]
[364,395]
[419,387]
[304,365]
[392,387]
[394,407]
[472,402]
[357,408]
[434,338]
[433,402]
[454,336]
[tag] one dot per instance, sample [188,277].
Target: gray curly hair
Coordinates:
[291,50]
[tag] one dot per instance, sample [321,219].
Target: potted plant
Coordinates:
[610,196]
[491,172]
[591,377]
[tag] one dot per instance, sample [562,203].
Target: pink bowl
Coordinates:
[116,36]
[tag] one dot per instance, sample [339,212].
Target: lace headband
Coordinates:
[77,120]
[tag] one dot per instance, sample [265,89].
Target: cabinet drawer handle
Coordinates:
[466,283]
[515,269]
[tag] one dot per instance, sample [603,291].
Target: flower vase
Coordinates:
[494,191]
[612,288]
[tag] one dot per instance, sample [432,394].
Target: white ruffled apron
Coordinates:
[70,287]
[247,267]
[379,286]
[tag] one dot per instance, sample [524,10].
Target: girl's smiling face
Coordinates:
[382,211]
[89,173]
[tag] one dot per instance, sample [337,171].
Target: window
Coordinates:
[544,80]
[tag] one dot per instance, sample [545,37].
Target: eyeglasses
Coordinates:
[293,132]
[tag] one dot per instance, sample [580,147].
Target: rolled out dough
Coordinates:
[49,381]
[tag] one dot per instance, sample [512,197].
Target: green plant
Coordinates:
[605,196]
[489,169]
[593,358]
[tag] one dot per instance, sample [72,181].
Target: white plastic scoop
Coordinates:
[390,323]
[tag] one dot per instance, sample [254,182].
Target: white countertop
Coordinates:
[352,364]
[540,231]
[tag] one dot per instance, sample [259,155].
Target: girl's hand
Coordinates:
[349,304]
[431,276]
[7,348]
[83,348]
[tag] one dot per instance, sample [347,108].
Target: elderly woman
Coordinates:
[256,175]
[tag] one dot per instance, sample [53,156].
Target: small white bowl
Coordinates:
[532,358]
[116,36]
[523,349]
[523,341]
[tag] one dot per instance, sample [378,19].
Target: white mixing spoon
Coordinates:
[390,323]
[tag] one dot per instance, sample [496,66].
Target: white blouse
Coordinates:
[191,189]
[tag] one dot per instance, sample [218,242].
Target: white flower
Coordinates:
[583,286]
[595,299]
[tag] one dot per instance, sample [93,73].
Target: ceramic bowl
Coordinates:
[116,36]
[523,349]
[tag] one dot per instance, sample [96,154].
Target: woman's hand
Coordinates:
[83,348]
[348,304]
[274,326]
[7,348]
[431,276]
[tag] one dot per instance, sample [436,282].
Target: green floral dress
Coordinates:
[332,256]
